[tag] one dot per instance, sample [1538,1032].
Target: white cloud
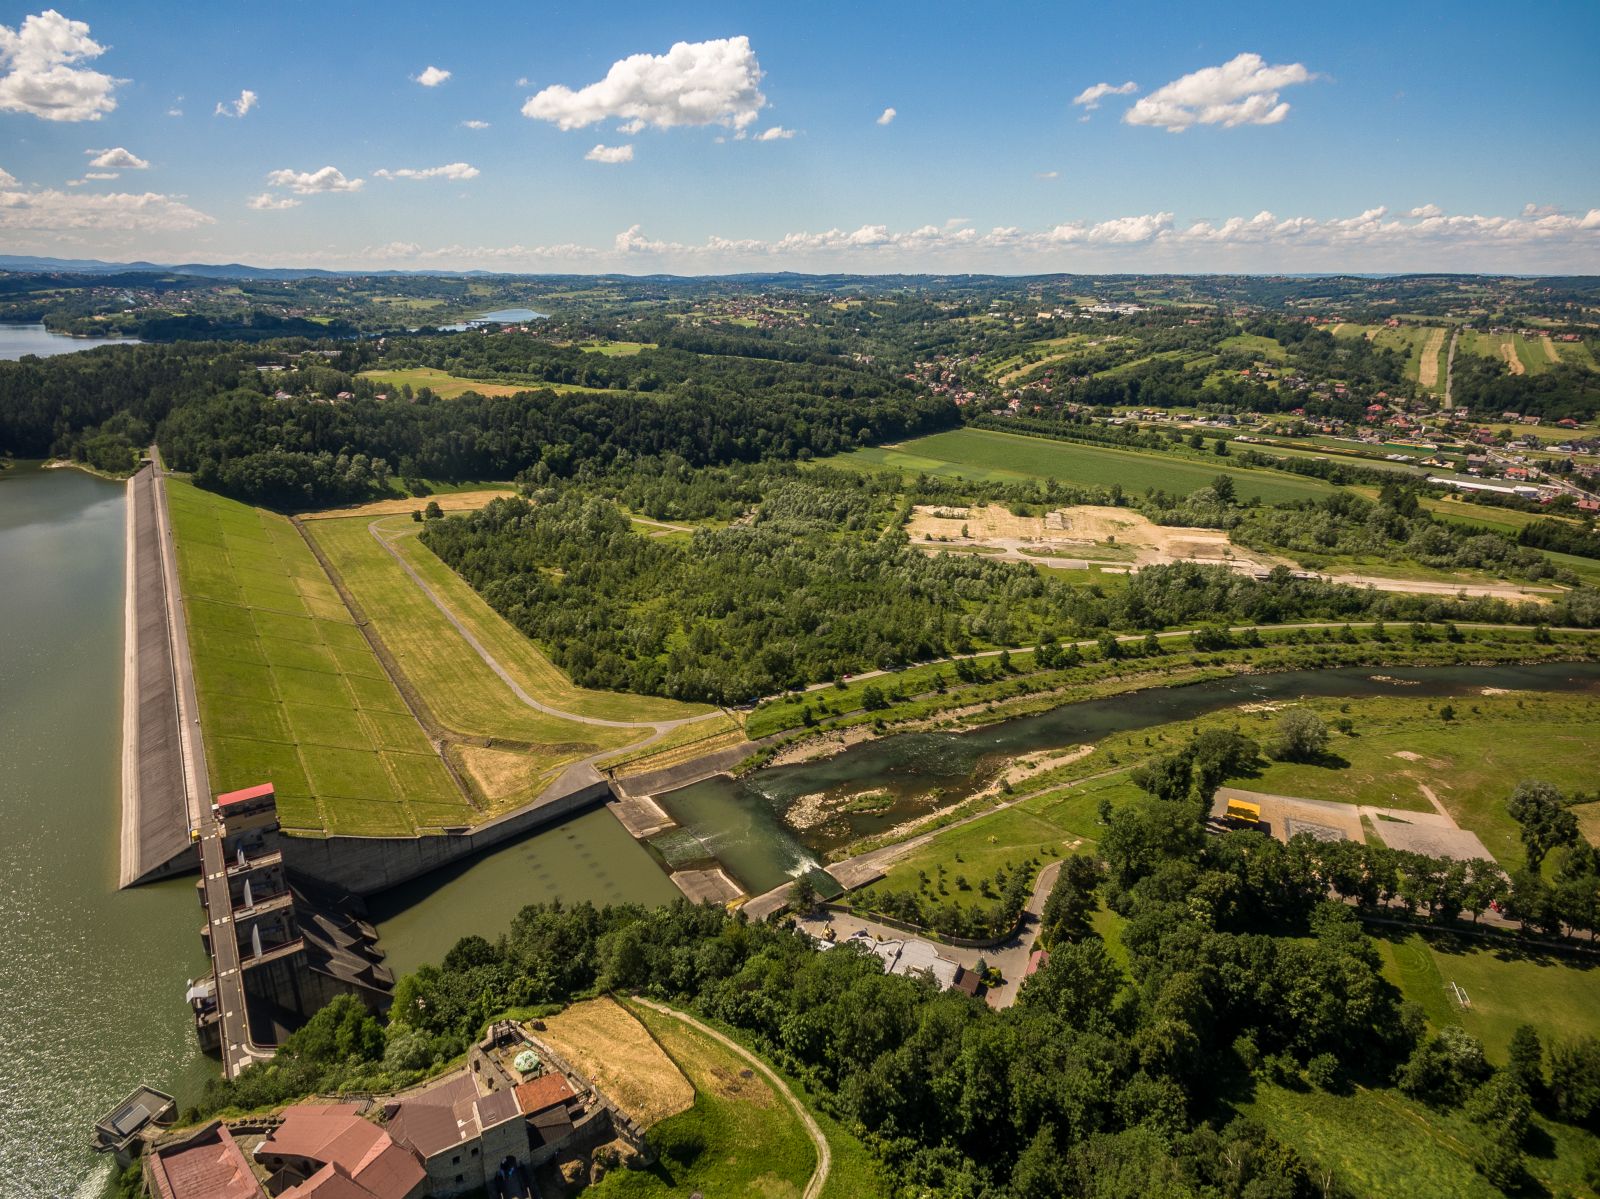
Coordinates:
[40,77]
[454,171]
[432,77]
[1242,91]
[102,174]
[1431,210]
[267,202]
[1090,97]
[7,179]
[117,159]
[474,124]
[603,153]
[1048,175]
[694,83]
[174,112]
[306,183]
[886,116]
[53,211]
[237,108]
[776,134]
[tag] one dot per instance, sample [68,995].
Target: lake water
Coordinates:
[91,979]
[740,820]
[500,316]
[17,340]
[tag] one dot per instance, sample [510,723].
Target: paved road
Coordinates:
[819,1176]
[238,1050]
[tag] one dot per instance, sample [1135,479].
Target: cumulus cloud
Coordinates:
[237,108]
[7,179]
[306,183]
[116,159]
[432,76]
[474,124]
[887,116]
[776,134]
[1091,96]
[454,171]
[42,77]
[49,210]
[1242,91]
[603,153]
[1372,239]
[267,202]
[1431,210]
[1048,175]
[102,174]
[694,83]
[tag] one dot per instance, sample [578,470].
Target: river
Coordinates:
[18,340]
[739,821]
[91,979]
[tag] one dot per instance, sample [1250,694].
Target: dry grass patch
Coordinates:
[1428,365]
[456,501]
[501,774]
[620,1056]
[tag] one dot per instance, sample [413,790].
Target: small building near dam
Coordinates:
[298,943]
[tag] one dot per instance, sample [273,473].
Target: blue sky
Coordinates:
[1264,137]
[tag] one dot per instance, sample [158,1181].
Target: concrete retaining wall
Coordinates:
[367,865]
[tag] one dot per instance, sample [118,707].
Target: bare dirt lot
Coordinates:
[1084,531]
[619,1056]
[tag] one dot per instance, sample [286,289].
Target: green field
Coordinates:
[1472,763]
[739,1138]
[986,456]
[451,387]
[290,692]
[466,698]
[1498,982]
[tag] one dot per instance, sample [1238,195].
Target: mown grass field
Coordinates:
[1472,763]
[460,690]
[987,456]
[452,387]
[290,692]
[1383,1145]
[739,1138]
[1498,982]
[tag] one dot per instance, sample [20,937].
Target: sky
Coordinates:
[819,137]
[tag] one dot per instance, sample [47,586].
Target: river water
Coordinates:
[91,979]
[18,340]
[741,821]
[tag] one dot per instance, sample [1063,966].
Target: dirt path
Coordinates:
[1509,349]
[1428,367]
[819,1176]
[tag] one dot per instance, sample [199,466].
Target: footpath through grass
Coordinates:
[988,456]
[289,690]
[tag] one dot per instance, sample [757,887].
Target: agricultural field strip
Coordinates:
[257,724]
[999,457]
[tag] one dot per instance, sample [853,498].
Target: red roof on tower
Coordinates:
[260,791]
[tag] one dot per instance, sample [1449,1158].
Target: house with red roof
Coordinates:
[328,1151]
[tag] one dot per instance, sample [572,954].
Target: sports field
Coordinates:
[986,456]
[290,692]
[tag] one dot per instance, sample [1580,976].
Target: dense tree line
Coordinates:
[1488,389]
[1562,536]
[818,580]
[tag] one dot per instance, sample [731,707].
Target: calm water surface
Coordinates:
[91,979]
[17,340]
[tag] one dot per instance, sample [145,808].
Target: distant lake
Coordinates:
[17,340]
[500,316]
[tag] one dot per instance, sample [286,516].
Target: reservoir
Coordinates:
[740,820]
[17,340]
[91,979]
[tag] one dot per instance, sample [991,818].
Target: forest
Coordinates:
[818,580]
[1104,1080]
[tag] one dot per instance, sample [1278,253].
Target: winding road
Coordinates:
[819,1176]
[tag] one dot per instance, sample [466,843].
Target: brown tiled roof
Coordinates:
[543,1092]
[209,1166]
